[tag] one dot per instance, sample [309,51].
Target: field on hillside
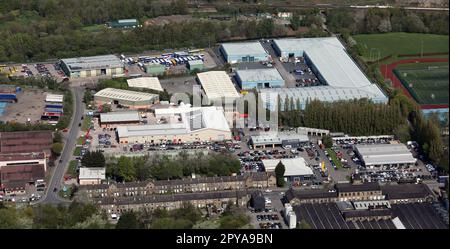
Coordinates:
[427,83]
[381,45]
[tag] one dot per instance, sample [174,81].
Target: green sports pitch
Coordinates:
[427,84]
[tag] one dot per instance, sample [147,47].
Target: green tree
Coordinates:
[327,141]
[57,137]
[279,173]
[57,148]
[303,224]
[128,220]
[94,159]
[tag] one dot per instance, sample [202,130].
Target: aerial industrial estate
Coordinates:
[124,133]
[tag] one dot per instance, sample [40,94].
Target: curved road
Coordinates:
[51,197]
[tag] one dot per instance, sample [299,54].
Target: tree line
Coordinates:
[75,216]
[186,217]
[356,117]
[386,20]
[55,29]
[163,168]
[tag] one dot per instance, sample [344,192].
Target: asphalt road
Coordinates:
[51,197]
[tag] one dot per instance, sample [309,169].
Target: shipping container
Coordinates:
[55,106]
[8,97]
[53,110]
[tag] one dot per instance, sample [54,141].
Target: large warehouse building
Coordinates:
[259,78]
[131,99]
[92,66]
[197,124]
[328,59]
[217,85]
[243,52]
[385,154]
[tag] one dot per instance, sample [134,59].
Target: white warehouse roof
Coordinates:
[197,118]
[120,94]
[92,173]
[244,48]
[217,84]
[54,97]
[379,154]
[146,82]
[330,58]
[257,75]
[111,117]
[293,166]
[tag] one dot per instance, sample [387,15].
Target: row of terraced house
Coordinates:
[201,192]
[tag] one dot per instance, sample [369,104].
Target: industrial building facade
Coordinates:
[107,65]
[131,99]
[194,125]
[377,155]
[243,52]
[114,119]
[259,78]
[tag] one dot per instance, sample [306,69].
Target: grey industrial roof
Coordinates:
[111,117]
[257,75]
[151,130]
[120,94]
[406,191]
[243,48]
[376,154]
[310,194]
[93,62]
[367,213]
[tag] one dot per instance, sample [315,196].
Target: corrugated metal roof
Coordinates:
[243,48]
[259,75]
[322,93]
[376,154]
[112,117]
[126,95]
[93,62]
[146,82]
[25,141]
[92,173]
[217,84]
